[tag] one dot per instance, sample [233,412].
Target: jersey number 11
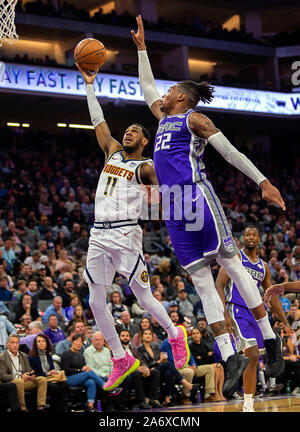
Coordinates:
[112,181]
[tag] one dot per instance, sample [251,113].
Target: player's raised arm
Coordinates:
[205,128]
[105,140]
[147,82]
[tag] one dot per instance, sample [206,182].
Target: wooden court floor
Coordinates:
[283,403]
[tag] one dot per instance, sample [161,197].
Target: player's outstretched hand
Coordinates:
[271,194]
[89,78]
[273,291]
[139,36]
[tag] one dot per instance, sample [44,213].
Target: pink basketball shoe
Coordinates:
[180,348]
[121,369]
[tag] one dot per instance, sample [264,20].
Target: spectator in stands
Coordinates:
[55,309]
[54,332]
[115,304]
[25,273]
[68,289]
[35,328]
[34,260]
[5,293]
[25,320]
[21,289]
[78,316]
[79,374]
[49,289]
[173,307]
[59,227]
[62,260]
[125,323]
[80,329]
[202,356]
[293,314]
[8,253]
[6,328]
[74,301]
[144,324]
[154,358]
[32,289]
[207,335]
[40,360]
[25,306]
[286,304]
[66,343]
[43,227]
[15,367]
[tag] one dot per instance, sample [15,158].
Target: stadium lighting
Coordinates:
[61,125]
[13,124]
[25,125]
[80,126]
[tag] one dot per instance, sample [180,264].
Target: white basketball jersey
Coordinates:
[119,196]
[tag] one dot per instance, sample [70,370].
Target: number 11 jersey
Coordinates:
[119,196]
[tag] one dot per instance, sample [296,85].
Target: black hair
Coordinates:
[144,130]
[196,92]
[251,226]
[77,336]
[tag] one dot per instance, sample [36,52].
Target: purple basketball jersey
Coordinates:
[178,152]
[256,270]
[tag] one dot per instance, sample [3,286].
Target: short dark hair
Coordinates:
[196,92]
[124,330]
[251,226]
[76,336]
[67,280]
[144,130]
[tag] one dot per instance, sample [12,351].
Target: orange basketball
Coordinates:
[90,54]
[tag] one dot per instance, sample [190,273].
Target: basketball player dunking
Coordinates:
[239,319]
[116,239]
[181,137]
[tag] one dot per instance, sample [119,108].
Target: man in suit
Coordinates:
[142,376]
[15,367]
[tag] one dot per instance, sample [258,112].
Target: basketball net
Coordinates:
[7,21]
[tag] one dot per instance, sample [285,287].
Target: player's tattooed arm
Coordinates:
[201,125]
[105,140]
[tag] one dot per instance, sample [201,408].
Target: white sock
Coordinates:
[248,400]
[265,328]
[225,345]
[272,381]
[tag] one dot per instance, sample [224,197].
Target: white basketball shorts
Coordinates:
[116,249]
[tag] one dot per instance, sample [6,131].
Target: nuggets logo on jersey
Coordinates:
[144,276]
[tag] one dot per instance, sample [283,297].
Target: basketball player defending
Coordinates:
[116,239]
[239,319]
[181,137]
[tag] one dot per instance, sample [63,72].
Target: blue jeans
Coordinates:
[89,380]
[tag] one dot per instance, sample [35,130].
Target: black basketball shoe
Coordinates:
[233,370]
[275,362]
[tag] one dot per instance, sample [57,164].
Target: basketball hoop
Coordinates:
[7,21]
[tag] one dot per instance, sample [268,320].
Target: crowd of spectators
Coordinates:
[47,190]
[196,27]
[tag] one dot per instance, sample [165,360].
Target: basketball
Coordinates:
[90,54]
